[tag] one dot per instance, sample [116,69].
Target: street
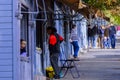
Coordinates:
[98,64]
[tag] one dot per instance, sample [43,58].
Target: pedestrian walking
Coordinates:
[94,36]
[54,47]
[74,40]
[90,37]
[106,40]
[101,35]
[112,33]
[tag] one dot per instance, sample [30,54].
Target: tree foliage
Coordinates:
[111,8]
[103,4]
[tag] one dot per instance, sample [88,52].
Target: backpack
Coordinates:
[59,37]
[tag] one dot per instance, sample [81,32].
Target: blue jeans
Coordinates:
[95,37]
[106,43]
[90,40]
[76,48]
[113,41]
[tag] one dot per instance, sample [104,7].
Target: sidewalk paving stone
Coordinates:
[98,64]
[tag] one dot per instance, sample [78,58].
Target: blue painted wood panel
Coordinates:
[5,31]
[5,19]
[5,14]
[5,44]
[5,7]
[6,40]
[5,25]
[6,69]
[5,56]
[5,62]
[6,79]
[6,50]
[6,74]
[3,2]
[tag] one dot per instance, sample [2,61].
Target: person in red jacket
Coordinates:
[54,47]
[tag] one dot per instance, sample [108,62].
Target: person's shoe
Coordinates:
[61,75]
[76,58]
[113,48]
[57,77]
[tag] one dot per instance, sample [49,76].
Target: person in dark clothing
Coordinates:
[94,36]
[90,35]
[112,32]
[95,30]
[54,48]
[101,30]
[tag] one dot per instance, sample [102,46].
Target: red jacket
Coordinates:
[53,39]
[54,43]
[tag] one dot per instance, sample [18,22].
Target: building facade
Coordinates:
[15,24]
[28,20]
[9,43]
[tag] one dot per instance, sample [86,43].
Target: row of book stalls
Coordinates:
[34,16]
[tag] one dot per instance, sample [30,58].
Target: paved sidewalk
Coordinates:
[98,64]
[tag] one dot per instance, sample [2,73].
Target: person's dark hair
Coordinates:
[53,29]
[88,25]
[21,40]
[49,28]
[73,26]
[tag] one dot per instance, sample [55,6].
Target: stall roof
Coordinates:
[75,5]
